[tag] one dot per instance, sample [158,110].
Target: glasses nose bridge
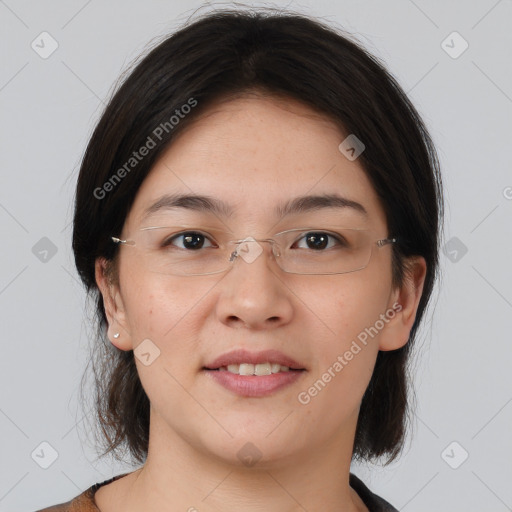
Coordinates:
[274,246]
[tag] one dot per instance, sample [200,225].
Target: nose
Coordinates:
[253,294]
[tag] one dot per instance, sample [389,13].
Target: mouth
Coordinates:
[245,362]
[255,369]
[254,374]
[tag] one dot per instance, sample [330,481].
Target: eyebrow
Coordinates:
[204,203]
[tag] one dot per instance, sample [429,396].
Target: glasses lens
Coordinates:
[332,251]
[181,251]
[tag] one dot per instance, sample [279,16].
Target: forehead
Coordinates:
[255,154]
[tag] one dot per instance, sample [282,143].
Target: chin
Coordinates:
[254,449]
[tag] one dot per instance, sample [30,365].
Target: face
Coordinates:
[255,155]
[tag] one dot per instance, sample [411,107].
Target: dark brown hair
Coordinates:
[222,54]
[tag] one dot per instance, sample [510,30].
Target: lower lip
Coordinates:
[252,385]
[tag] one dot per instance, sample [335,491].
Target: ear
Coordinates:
[114,307]
[404,302]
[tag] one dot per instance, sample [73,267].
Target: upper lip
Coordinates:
[244,356]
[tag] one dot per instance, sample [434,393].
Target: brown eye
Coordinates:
[319,240]
[189,240]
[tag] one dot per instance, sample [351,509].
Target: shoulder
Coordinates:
[56,508]
[374,502]
[84,502]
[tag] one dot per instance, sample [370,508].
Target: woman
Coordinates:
[257,215]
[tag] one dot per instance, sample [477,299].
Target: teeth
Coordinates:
[246,369]
[255,369]
[262,369]
[276,367]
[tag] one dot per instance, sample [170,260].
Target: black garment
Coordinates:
[372,501]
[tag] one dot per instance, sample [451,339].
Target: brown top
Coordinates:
[85,502]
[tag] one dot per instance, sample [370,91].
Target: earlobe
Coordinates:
[117,332]
[404,301]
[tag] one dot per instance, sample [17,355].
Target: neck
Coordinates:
[177,473]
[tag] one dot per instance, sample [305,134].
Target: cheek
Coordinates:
[169,313]
[163,308]
[340,308]
[346,311]
[344,357]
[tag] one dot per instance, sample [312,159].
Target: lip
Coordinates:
[253,385]
[244,356]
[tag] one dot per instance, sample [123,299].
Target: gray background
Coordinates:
[462,372]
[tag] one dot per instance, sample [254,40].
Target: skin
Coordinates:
[253,152]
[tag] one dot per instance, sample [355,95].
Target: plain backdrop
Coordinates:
[453,59]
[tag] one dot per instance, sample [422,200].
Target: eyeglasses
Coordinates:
[185,251]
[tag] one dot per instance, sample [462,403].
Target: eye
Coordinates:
[319,240]
[191,240]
